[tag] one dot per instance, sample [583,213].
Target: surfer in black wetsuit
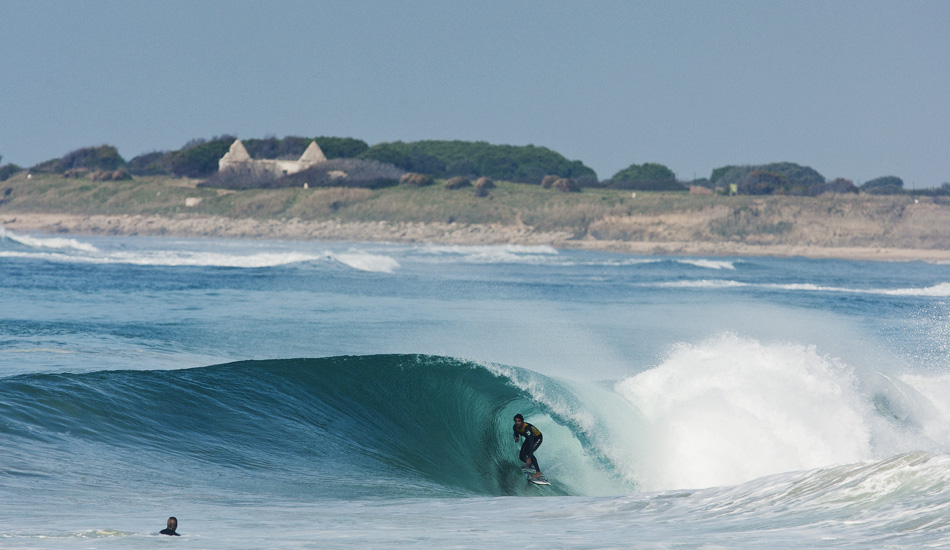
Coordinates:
[532,440]
[172,527]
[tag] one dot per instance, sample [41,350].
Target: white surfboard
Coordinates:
[528,472]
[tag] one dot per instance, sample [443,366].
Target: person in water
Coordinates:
[532,440]
[172,527]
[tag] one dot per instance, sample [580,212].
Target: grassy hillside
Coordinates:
[601,214]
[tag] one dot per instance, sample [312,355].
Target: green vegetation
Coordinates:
[589,213]
[887,185]
[500,202]
[778,178]
[291,147]
[383,164]
[199,157]
[647,177]
[8,170]
[338,172]
[527,164]
[104,157]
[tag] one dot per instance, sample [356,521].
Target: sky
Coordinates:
[853,89]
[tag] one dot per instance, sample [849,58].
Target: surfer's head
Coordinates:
[519,419]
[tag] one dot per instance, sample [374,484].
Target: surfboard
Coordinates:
[528,472]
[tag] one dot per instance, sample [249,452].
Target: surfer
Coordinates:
[532,440]
[172,527]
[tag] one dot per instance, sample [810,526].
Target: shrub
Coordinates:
[648,176]
[111,175]
[457,182]
[548,180]
[718,173]
[199,158]
[838,185]
[8,170]
[76,173]
[104,157]
[355,173]
[885,190]
[241,177]
[338,172]
[155,163]
[414,179]
[883,182]
[527,164]
[761,182]
[291,147]
[789,178]
[484,183]
[566,185]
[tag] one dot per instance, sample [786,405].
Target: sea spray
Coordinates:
[729,410]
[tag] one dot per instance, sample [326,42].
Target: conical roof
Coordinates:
[237,152]
[313,154]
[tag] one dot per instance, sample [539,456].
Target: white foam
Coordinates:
[937,290]
[940,289]
[509,253]
[730,410]
[464,250]
[174,258]
[365,261]
[709,264]
[47,242]
[703,283]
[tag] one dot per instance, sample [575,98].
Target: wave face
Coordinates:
[397,425]
[725,412]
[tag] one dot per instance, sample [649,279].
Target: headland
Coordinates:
[846,226]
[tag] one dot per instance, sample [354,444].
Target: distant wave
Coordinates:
[940,289]
[47,242]
[508,253]
[364,261]
[704,283]
[75,251]
[710,264]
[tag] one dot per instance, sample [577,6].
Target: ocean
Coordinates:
[353,395]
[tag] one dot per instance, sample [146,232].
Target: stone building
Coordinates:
[237,157]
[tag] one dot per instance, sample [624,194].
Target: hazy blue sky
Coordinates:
[855,89]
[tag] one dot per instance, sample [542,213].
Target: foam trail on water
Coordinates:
[709,264]
[509,253]
[51,242]
[365,261]
[937,290]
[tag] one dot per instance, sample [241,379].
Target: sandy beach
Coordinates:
[443,233]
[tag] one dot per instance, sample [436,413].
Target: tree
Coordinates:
[884,185]
[793,179]
[291,147]
[648,176]
[201,160]
[7,170]
[103,157]
[760,182]
[444,159]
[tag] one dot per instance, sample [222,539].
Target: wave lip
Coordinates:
[365,261]
[47,242]
[491,254]
[75,251]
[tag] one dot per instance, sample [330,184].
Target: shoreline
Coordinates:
[439,233]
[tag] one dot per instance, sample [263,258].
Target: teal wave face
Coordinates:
[344,427]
